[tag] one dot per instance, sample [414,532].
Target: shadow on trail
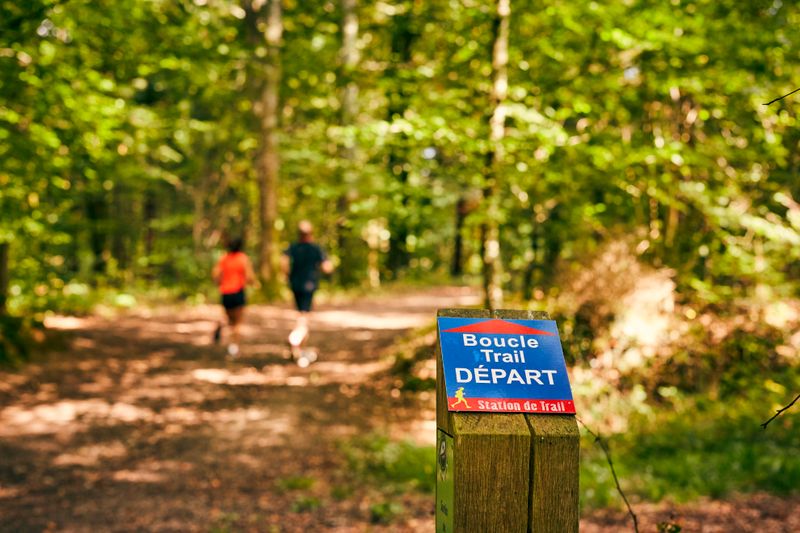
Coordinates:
[144,424]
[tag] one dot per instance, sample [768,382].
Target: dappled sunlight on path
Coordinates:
[145,424]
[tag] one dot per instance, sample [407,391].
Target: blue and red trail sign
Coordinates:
[504,366]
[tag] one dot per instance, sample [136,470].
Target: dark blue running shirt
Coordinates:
[305,258]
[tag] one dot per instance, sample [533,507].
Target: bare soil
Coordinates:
[143,424]
[752,513]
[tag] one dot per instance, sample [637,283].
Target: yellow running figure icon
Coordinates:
[460,398]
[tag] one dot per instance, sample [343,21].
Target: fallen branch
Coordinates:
[782,97]
[779,411]
[604,447]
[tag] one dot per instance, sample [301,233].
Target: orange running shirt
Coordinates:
[232,273]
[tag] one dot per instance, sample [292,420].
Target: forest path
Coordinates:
[143,424]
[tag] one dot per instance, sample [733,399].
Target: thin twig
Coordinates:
[607,453]
[782,97]
[778,412]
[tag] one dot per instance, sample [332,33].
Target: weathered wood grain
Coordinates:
[555,467]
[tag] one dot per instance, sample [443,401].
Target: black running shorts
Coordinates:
[232,301]
[303,300]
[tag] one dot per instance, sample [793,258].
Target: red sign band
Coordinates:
[510,405]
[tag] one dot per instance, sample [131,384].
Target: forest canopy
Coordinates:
[424,139]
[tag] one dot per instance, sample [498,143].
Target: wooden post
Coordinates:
[504,472]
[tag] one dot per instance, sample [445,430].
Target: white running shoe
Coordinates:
[233,350]
[302,362]
[310,355]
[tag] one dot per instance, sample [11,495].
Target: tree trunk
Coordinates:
[533,265]
[350,245]
[149,211]
[269,162]
[490,231]
[199,195]
[401,48]
[121,235]
[201,198]
[4,275]
[457,265]
[350,58]
[97,215]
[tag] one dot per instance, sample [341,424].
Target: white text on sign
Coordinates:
[517,341]
[487,376]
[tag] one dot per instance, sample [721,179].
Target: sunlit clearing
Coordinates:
[284,375]
[50,418]
[90,455]
[421,432]
[65,322]
[353,319]
[139,476]
[9,492]
[220,376]
[201,326]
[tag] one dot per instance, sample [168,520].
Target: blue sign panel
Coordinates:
[504,366]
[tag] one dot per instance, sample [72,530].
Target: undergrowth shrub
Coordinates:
[17,336]
[397,465]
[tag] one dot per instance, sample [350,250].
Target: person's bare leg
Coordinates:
[234,321]
[300,332]
[217,332]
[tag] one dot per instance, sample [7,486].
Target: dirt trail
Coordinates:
[143,424]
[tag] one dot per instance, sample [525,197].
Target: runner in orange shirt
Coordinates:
[232,274]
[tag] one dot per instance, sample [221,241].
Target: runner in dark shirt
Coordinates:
[306,259]
[302,262]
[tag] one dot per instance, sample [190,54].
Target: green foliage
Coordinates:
[341,492]
[393,465]
[644,118]
[413,366]
[102,148]
[225,523]
[668,527]
[721,368]
[305,504]
[385,512]
[696,447]
[17,337]
[295,483]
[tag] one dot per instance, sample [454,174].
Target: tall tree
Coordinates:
[490,233]
[3,277]
[269,161]
[349,243]
[400,72]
